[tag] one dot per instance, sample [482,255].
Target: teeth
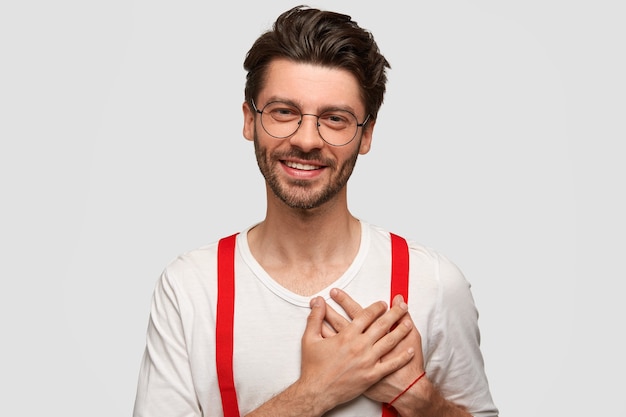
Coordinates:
[305,167]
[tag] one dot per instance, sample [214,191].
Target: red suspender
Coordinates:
[224,324]
[399,284]
[226,309]
[399,267]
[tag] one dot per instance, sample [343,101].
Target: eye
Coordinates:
[337,119]
[282,112]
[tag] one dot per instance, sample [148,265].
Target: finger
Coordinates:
[388,321]
[315,319]
[394,363]
[351,307]
[335,320]
[327,331]
[367,316]
[394,359]
[397,299]
[392,339]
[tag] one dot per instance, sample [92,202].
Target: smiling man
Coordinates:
[312,311]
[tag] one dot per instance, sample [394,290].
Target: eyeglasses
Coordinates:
[336,127]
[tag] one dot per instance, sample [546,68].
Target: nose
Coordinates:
[307,137]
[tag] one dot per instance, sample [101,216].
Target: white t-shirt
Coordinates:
[178,372]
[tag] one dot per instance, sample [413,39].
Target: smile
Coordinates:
[304,167]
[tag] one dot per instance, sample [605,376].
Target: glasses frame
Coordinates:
[317,122]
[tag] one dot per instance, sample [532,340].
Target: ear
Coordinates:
[366,139]
[248,121]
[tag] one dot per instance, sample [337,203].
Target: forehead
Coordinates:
[311,86]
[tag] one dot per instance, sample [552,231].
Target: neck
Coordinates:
[315,245]
[306,233]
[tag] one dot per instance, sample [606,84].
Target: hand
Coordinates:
[339,368]
[391,385]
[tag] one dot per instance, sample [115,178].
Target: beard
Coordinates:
[301,194]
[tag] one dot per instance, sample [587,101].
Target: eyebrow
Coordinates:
[321,110]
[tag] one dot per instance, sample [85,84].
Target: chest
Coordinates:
[267,357]
[266,330]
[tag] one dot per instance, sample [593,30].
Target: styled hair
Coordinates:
[312,36]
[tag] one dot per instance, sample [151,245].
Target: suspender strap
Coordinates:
[399,284]
[399,267]
[224,324]
[226,313]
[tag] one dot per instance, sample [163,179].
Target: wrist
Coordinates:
[298,400]
[309,398]
[417,400]
[425,400]
[415,381]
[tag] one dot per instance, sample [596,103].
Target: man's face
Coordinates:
[302,170]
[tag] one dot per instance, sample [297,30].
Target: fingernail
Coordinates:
[315,302]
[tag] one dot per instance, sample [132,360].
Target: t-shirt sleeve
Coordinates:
[165,387]
[455,362]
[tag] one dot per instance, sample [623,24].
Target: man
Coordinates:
[288,317]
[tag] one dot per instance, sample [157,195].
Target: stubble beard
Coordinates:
[299,194]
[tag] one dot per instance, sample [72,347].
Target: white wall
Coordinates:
[500,144]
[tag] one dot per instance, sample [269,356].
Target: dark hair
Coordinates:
[308,35]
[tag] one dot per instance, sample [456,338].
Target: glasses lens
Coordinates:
[337,127]
[281,120]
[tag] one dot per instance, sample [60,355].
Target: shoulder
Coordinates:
[429,263]
[194,260]
[192,271]
[196,267]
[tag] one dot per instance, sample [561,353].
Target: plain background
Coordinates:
[500,144]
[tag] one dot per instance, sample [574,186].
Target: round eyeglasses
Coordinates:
[336,127]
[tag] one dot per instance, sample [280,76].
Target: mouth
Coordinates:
[301,166]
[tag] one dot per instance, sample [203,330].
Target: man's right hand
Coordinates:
[340,368]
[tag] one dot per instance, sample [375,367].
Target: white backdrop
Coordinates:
[500,144]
